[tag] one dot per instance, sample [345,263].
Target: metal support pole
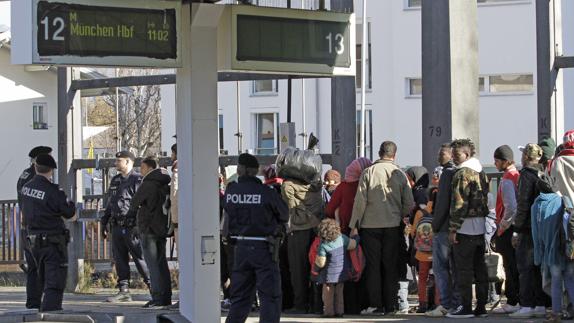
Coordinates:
[364,47]
[543,83]
[343,110]
[450,74]
[69,147]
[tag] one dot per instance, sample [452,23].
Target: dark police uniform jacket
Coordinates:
[25,177]
[120,194]
[44,205]
[253,209]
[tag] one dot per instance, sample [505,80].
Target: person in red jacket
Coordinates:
[340,207]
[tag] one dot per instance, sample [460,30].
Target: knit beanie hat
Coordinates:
[355,169]
[548,146]
[504,153]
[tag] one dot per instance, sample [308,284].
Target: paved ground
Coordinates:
[13,299]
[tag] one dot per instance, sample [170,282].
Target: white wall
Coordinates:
[20,89]
[568,48]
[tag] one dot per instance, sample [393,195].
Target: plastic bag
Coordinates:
[303,165]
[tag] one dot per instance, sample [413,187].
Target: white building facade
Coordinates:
[508,100]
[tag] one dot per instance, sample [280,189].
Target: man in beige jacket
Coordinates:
[383,198]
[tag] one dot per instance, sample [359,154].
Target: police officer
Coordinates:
[255,216]
[32,299]
[125,240]
[44,206]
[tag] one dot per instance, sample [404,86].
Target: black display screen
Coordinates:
[89,30]
[274,39]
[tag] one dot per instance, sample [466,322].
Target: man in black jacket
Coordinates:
[532,299]
[149,203]
[443,267]
[125,241]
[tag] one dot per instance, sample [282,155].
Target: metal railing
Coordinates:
[10,241]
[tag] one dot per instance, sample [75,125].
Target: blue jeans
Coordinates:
[443,268]
[160,278]
[561,277]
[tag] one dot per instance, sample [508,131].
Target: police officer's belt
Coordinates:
[246,238]
[42,239]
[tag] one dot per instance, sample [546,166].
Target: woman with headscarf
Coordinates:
[340,207]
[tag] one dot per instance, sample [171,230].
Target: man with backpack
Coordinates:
[151,203]
[532,297]
[505,214]
[468,209]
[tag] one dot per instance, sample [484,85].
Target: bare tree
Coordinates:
[139,115]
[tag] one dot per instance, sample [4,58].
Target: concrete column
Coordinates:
[197,132]
[450,74]
[343,110]
[69,148]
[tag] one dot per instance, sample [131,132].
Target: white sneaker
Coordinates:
[372,311]
[506,309]
[523,313]
[439,311]
[540,311]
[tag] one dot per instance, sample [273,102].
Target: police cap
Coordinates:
[248,160]
[39,150]
[46,160]
[126,154]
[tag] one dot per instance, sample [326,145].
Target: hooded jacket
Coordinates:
[562,173]
[305,202]
[547,230]
[149,201]
[469,202]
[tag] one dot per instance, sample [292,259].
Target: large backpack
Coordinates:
[358,262]
[424,233]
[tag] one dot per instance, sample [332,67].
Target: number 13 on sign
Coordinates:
[339,46]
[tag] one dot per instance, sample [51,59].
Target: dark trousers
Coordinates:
[50,269]
[33,288]
[531,293]
[470,266]
[512,283]
[381,248]
[226,257]
[126,243]
[255,268]
[156,260]
[286,287]
[299,243]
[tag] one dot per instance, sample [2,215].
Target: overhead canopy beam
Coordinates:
[170,79]
[563,62]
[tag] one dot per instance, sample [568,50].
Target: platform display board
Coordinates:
[105,32]
[292,41]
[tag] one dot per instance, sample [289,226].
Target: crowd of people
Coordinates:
[437,231]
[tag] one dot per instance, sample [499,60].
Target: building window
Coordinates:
[368,133]
[414,87]
[418,3]
[359,54]
[510,83]
[220,122]
[264,87]
[40,120]
[267,139]
[487,85]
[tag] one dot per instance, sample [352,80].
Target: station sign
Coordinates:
[105,32]
[292,41]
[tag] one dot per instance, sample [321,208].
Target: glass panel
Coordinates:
[481,84]
[414,3]
[266,133]
[368,133]
[358,77]
[415,86]
[263,86]
[510,83]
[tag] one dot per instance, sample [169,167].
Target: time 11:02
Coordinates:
[158,35]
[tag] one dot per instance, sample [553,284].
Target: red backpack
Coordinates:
[356,255]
